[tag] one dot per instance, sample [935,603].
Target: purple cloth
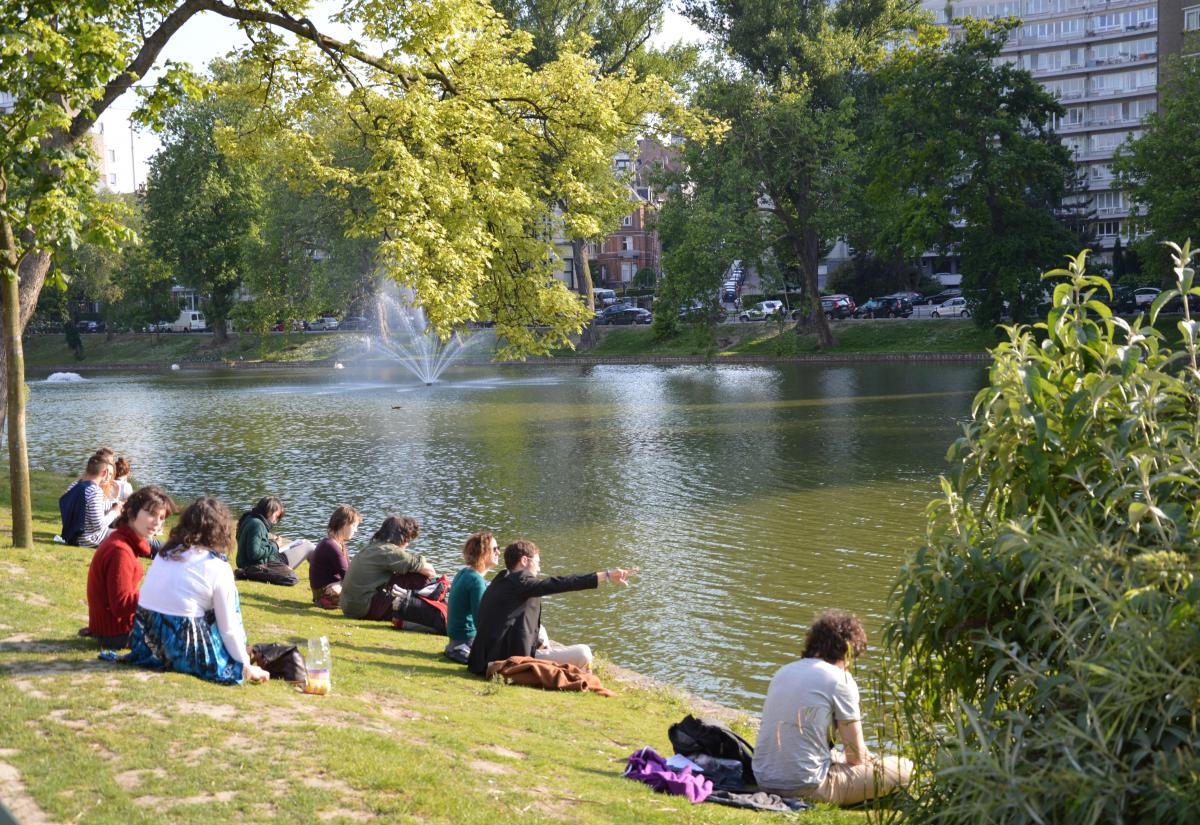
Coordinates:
[648,767]
[326,565]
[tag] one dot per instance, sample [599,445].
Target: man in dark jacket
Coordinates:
[510,612]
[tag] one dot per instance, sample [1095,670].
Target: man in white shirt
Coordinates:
[804,700]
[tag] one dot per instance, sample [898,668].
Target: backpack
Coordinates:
[694,736]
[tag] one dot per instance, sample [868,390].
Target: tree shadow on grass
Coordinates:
[30,665]
[430,662]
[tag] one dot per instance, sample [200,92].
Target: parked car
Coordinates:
[325,323]
[911,297]
[603,297]
[835,307]
[620,314]
[699,310]
[1145,295]
[952,308]
[86,326]
[189,320]
[939,298]
[762,311]
[889,306]
[159,326]
[354,323]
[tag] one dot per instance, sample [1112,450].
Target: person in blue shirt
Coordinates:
[481,552]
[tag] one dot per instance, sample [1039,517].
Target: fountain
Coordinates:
[408,337]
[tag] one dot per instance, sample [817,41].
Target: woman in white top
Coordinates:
[189,617]
[124,488]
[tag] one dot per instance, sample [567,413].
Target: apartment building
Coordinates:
[636,244]
[1100,58]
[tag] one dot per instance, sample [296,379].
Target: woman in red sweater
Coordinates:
[116,573]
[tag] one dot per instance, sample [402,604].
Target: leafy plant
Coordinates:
[1048,625]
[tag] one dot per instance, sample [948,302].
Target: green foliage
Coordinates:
[963,155]
[865,276]
[645,278]
[1160,171]
[1048,622]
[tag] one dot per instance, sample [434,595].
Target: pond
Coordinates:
[750,497]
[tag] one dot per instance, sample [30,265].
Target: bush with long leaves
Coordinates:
[1048,624]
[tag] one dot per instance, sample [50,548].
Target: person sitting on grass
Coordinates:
[115,572]
[85,516]
[189,616]
[510,613]
[328,563]
[383,578]
[481,553]
[121,473]
[804,700]
[263,556]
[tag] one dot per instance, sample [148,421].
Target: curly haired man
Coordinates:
[804,700]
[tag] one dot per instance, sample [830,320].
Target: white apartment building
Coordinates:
[1100,59]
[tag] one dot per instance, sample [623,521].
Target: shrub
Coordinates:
[1048,625]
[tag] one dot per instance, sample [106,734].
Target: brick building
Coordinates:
[635,245]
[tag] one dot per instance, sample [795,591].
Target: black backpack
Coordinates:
[695,736]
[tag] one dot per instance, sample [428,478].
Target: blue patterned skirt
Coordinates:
[185,644]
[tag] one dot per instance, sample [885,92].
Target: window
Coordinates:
[1108,229]
[627,220]
[112,180]
[627,270]
[1106,22]
[1138,109]
[1147,78]
[1101,171]
[112,155]
[627,243]
[1110,200]
[1103,113]
[1191,19]
[1070,27]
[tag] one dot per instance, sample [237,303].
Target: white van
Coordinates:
[604,297]
[189,320]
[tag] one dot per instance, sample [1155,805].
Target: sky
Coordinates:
[206,36]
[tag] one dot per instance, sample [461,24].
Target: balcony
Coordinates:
[1113,212]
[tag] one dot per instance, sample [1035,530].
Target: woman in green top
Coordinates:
[481,553]
[263,556]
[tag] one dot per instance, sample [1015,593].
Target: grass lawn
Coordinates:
[406,736]
[43,351]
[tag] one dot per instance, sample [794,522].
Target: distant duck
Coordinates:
[338,366]
[174,366]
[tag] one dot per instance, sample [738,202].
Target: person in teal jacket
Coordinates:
[481,553]
[263,556]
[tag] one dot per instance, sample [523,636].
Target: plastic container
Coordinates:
[318,663]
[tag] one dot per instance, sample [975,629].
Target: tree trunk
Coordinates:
[583,282]
[18,294]
[807,249]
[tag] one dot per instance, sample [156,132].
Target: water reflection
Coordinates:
[750,496]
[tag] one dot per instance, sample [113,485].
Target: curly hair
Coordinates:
[122,468]
[397,530]
[146,498]
[477,548]
[834,636]
[205,522]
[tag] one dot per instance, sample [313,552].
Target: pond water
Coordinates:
[749,496]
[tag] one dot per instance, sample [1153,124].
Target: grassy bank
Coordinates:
[405,737]
[44,351]
[768,339]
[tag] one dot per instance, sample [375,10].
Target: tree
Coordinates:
[789,97]
[1046,626]
[963,155]
[202,208]
[1160,171]
[456,124]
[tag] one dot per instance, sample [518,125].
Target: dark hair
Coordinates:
[834,635]
[106,453]
[397,530]
[519,549]
[122,467]
[477,547]
[268,506]
[97,463]
[205,522]
[342,517]
[146,498]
